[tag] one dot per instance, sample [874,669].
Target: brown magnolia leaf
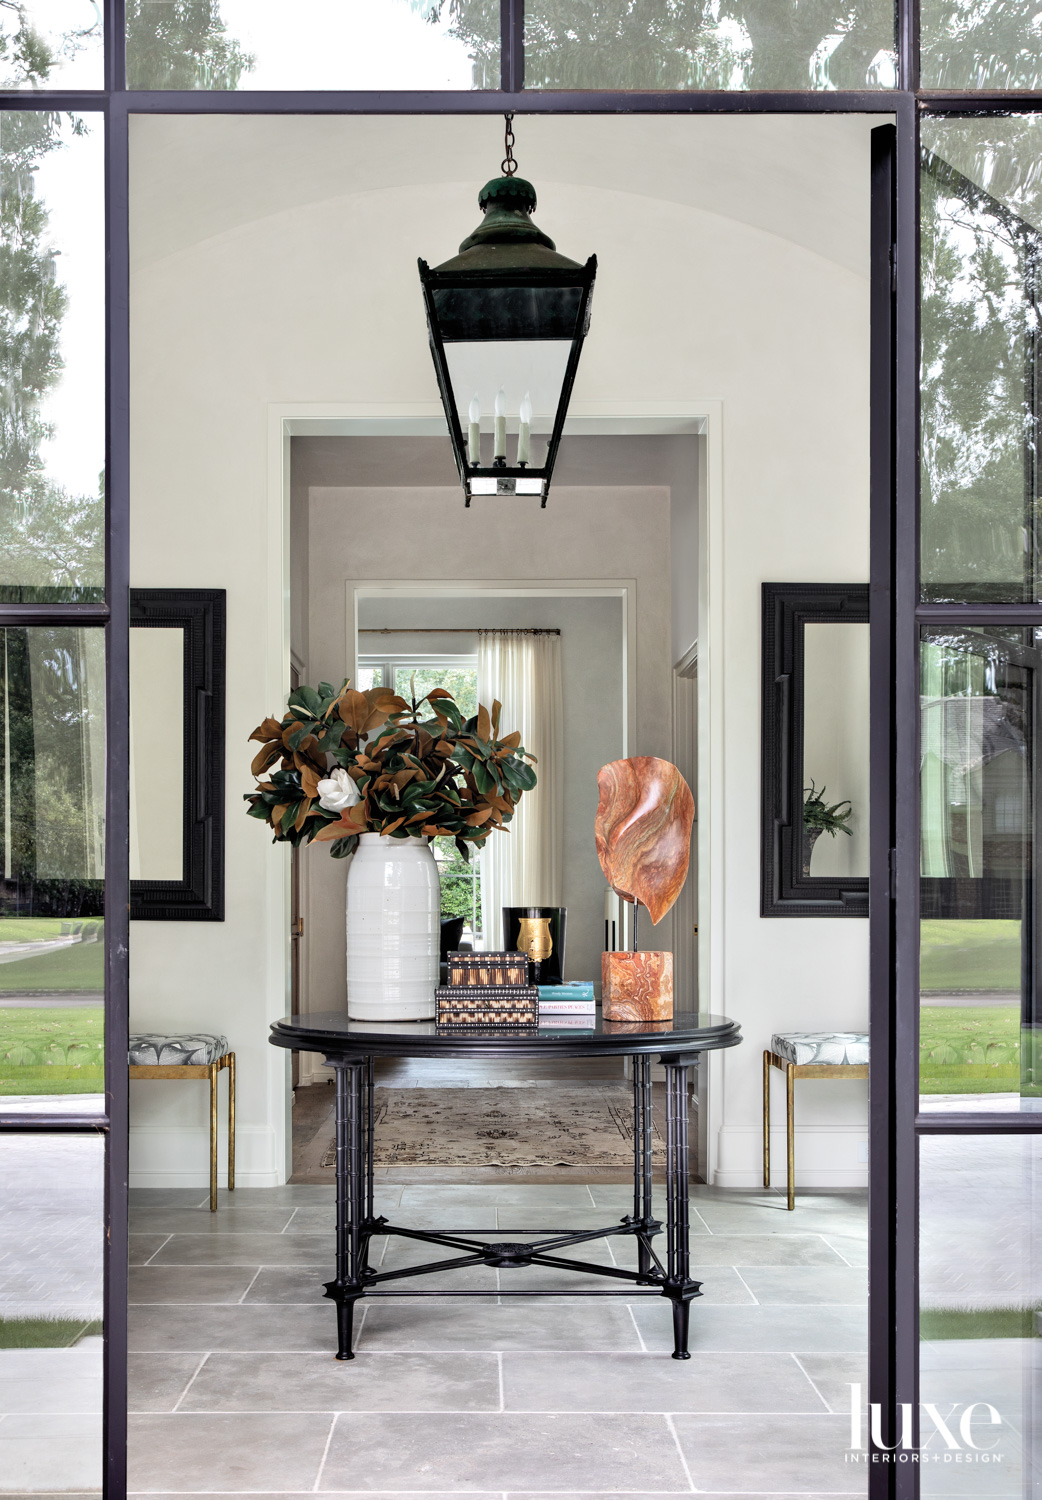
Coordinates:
[511,742]
[266,757]
[309,779]
[390,827]
[301,815]
[271,729]
[353,708]
[497,709]
[484,725]
[476,818]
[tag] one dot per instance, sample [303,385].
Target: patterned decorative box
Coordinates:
[488,969]
[487,1005]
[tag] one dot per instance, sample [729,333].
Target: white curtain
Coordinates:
[521,865]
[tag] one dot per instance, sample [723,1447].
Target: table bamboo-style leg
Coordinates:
[790,1129]
[643,1140]
[679,1287]
[355,1221]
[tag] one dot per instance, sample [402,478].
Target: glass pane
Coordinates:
[156,755]
[710,44]
[980,1296]
[420,678]
[835,749]
[980,44]
[53,44]
[981,1002]
[52,356]
[981,254]
[315,44]
[51,1244]
[52,785]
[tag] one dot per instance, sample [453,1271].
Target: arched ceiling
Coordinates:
[802,177]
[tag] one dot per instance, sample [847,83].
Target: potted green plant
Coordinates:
[378,777]
[819,818]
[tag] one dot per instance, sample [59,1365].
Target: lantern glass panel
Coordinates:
[533,366]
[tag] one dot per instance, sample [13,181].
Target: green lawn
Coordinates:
[45,1051]
[29,929]
[968,955]
[81,966]
[978,1323]
[44,1333]
[969,1050]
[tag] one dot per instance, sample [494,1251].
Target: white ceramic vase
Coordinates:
[393,930]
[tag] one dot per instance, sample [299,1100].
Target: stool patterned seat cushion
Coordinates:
[832,1047]
[153,1049]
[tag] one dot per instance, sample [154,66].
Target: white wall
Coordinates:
[274,263]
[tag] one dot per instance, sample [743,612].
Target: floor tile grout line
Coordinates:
[289,1221]
[246,1293]
[325,1454]
[633,1318]
[667,1418]
[159,1248]
[502,1398]
[843,1258]
[191,1382]
[813,1387]
[752,1294]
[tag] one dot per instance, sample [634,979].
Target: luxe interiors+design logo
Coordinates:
[953,1438]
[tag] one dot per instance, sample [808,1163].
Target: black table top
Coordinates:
[336,1035]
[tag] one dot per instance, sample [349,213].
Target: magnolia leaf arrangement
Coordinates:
[342,763]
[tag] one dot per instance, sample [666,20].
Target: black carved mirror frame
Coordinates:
[784,889]
[199,895]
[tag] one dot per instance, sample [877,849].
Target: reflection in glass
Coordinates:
[709,44]
[156,755]
[981,252]
[53,44]
[52,755]
[51,1244]
[835,737]
[52,351]
[979,700]
[980,44]
[315,44]
[981,1295]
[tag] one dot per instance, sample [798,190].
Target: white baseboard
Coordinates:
[181,1158]
[827,1156]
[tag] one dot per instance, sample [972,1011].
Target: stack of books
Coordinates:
[568,1006]
[487,989]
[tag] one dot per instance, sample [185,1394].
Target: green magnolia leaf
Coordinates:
[306,698]
[482,778]
[526,777]
[341,848]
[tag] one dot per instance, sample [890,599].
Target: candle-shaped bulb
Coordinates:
[500,450]
[524,440]
[474,433]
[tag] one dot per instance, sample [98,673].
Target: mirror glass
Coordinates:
[835,749]
[157,753]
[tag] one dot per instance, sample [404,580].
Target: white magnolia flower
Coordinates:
[338,792]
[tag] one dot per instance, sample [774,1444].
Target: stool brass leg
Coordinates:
[213,1138]
[766,1119]
[790,1104]
[231,1122]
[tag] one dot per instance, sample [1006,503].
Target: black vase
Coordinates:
[539,932]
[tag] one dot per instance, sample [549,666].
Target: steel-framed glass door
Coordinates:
[56,610]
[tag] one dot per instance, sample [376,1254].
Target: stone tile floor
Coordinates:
[233,1388]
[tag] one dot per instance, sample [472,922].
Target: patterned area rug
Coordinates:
[505,1127]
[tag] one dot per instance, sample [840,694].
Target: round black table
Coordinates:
[350,1047]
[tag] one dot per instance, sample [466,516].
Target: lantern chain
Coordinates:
[508,164]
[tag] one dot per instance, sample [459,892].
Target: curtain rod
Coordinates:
[459,630]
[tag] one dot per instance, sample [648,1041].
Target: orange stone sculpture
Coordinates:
[637,986]
[643,830]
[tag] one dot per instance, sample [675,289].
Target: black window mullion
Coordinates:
[115,46]
[907,18]
[117,780]
[512,45]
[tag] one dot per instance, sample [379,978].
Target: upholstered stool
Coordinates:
[807,1054]
[199,1055]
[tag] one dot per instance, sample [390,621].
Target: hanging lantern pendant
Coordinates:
[506,318]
